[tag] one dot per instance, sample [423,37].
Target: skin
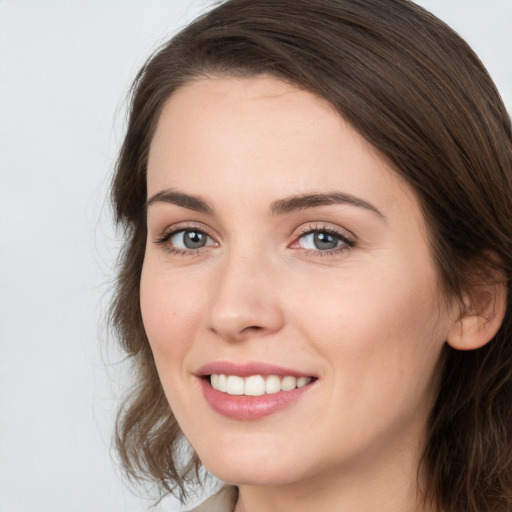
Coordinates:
[367,319]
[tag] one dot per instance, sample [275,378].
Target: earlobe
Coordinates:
[481,318]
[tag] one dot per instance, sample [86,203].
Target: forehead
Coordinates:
[259,107]
[264,138]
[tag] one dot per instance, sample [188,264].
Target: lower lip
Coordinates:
[243,407]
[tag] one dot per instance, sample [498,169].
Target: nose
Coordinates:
[244,301]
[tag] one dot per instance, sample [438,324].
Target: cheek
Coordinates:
[380,329]
[383,348]
[377,303]
[170,314]
[170,311]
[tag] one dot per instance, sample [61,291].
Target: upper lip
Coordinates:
[247,369]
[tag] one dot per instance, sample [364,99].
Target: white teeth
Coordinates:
[235,385]
[223,383]
[302,381]
[272,384]
[256,385]
[288,383]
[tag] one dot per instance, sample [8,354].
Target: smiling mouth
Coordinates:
[253,390]
[256,385]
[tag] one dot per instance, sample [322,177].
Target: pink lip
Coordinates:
[248,407]
[247,369]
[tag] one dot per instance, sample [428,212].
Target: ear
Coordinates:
[484,310]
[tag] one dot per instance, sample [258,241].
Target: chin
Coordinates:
[246,472]
[252,465]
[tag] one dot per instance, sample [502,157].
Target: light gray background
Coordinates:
[65,67]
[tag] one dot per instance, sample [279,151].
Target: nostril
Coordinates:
[252,329]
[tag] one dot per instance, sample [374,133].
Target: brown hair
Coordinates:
[416,91]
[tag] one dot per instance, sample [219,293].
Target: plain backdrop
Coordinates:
[65,69]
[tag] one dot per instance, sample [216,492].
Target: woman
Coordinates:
[316,197]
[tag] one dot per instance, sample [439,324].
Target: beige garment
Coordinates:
[223,501]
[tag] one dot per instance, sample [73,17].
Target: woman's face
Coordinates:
[283,252]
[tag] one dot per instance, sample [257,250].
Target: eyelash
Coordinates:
[346,241]
[166,236]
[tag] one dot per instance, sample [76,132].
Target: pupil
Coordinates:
[194,239]
[325,241]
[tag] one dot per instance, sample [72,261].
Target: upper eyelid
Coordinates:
[173,229]
[336,230]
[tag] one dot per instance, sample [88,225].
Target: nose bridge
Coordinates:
[244,301]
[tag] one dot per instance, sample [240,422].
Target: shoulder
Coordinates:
[222,501]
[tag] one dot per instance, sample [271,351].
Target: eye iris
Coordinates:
[194,239]
[325,241]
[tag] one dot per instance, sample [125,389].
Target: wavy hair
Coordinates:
[417,92]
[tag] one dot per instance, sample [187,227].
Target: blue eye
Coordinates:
[185,241]
[322,240]
[189,239]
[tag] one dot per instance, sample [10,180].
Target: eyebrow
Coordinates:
[303,202]
[187,201]
[278,207]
